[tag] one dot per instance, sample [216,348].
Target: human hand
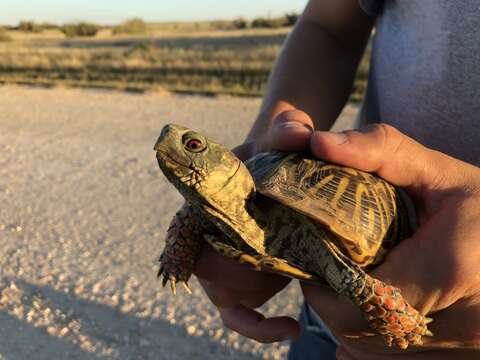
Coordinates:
[438,268]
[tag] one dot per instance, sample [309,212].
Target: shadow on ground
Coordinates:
[95,331]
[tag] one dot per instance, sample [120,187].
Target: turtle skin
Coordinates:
[293,215]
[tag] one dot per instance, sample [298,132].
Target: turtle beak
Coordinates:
[169,147]
[164,134]
[158,145]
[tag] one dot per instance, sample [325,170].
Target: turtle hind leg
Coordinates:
[390,314]
[182,246]
[381,304]
[259,262]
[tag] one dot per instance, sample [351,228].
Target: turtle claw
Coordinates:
[186,287]
[173,285]
[428,333]
[173,279]
[428,321]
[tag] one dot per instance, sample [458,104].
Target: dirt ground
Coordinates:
[83,212]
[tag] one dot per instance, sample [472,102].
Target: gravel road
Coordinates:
[83,212]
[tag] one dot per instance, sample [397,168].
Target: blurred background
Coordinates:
[85,88]
[183,46]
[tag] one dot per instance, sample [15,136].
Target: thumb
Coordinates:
[389,153]
[290,131]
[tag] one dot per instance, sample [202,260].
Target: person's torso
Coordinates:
[425,73]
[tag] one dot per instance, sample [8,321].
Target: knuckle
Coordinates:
[386,135]
[378,143]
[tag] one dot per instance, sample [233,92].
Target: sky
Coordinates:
[114,11]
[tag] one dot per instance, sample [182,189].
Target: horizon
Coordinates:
[110,12]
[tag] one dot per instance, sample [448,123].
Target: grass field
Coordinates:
[205,58]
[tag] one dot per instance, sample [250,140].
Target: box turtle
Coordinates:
[291,214]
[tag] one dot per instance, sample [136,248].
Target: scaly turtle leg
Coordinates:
[182,246]
[381,304]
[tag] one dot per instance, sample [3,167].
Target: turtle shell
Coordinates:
[367,214]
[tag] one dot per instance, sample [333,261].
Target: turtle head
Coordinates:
[204,172]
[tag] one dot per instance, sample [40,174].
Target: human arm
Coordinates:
[316,67]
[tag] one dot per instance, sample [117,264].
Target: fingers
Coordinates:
[254,325]
[237,290]
[383,149]
[228,296]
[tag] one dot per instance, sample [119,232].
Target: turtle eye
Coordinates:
[194,145]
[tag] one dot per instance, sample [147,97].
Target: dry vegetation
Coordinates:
[4,36]
[233,57]
[132,26]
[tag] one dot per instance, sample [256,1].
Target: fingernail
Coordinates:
[293,125]
[337,138]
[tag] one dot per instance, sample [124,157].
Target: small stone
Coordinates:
[13,286]
[18,311]
[191,330]
[115,299]
[96,289]
[51,330]
[30,316]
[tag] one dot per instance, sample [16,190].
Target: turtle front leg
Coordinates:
[182,246]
